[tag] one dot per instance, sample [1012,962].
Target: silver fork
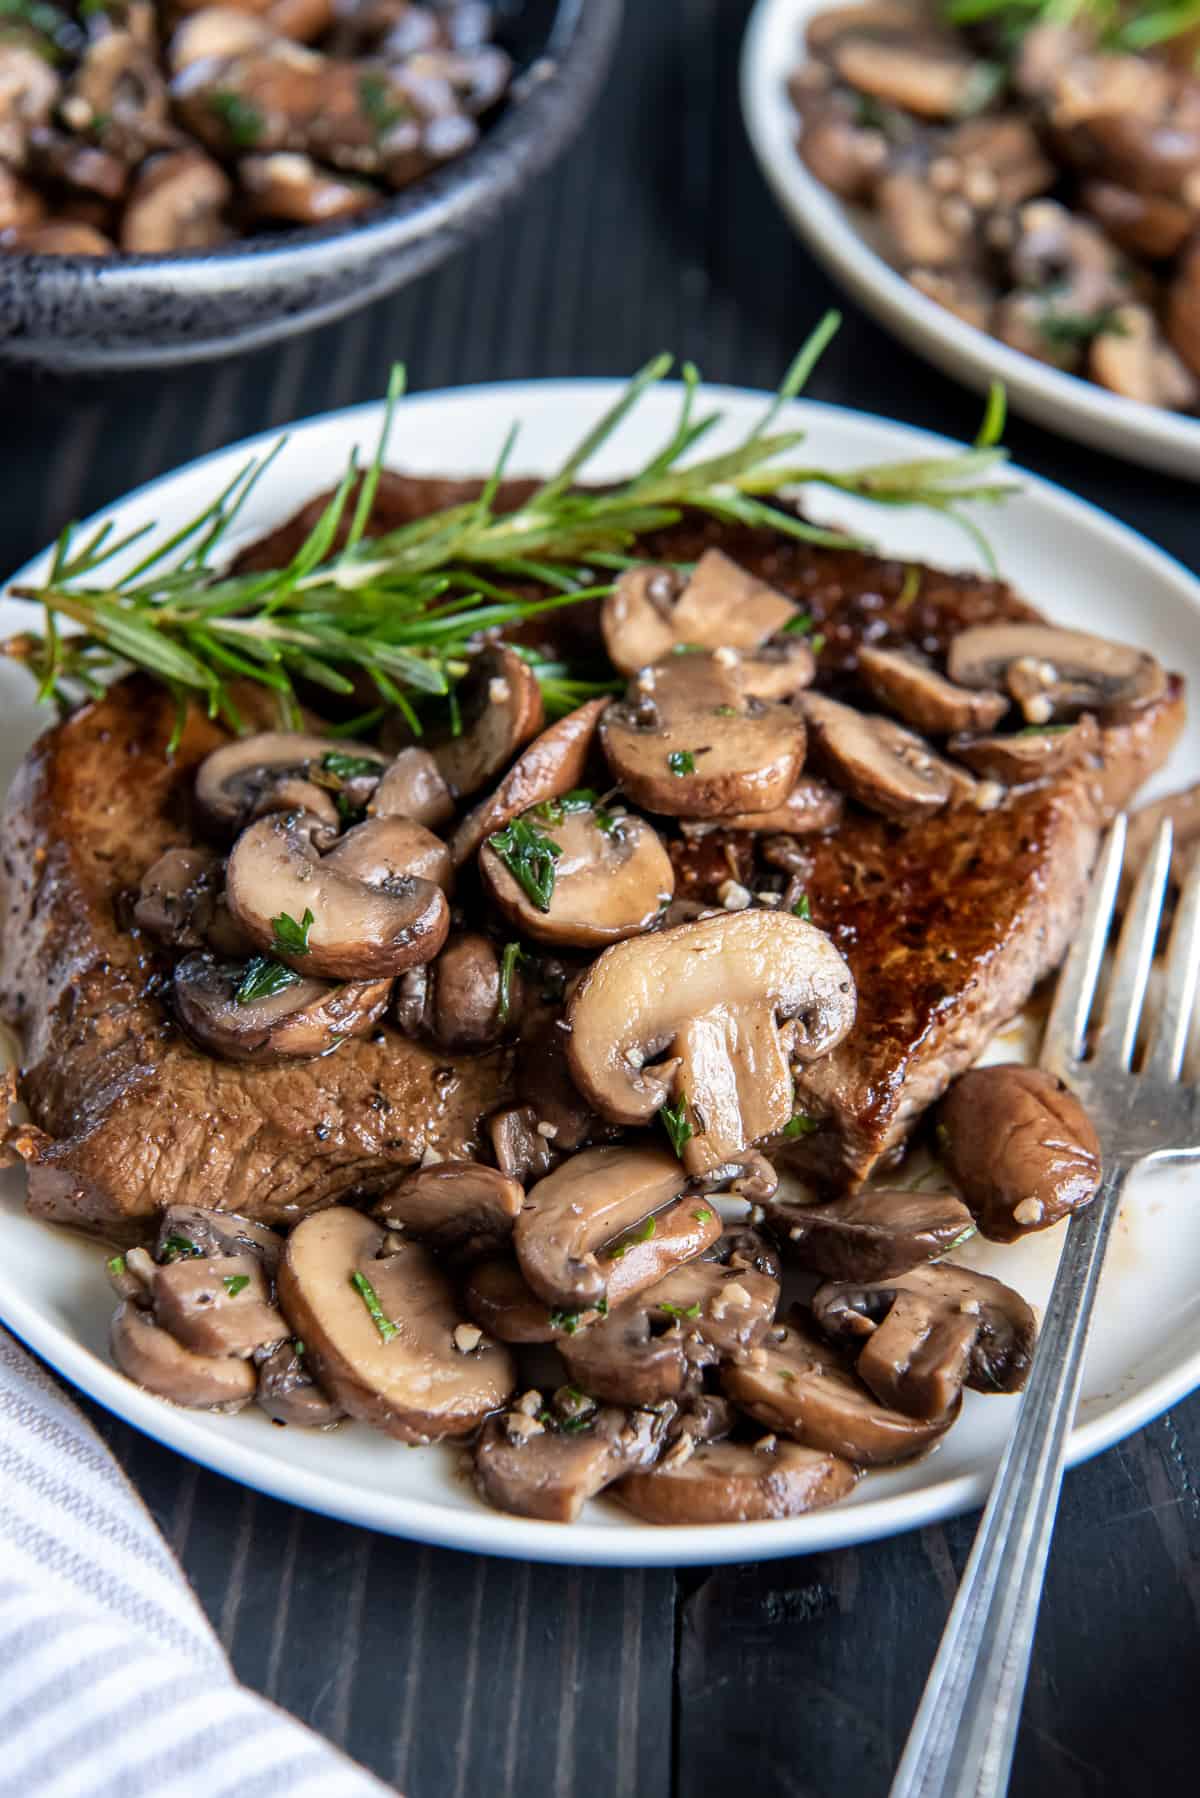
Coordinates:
[963,1736]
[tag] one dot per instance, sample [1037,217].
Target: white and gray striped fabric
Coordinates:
[112,1684]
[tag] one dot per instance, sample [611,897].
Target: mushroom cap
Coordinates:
[151,1357]
[1017,757]
[460,1206]
[870,1233]
[232,779]
[612,878]
[550,1472]
[416,1385]
[688,740]
[290,186]
[307,1018]
[711,995]
[799,1386]
[1056,673]
[288,1393]
[929,1332]
[651,609]
[500,708]
[357,930]
[411,786]
[881,764]
[553,763]
[923,698]
[176,203]
[203,1231]
[1019,1147]
[217,1305]
[177,896]
[811,805]
[586,1203]
[384,850]
[737,1482]
[463,1007]
[1134,359]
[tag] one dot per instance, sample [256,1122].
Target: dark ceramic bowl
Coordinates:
[130,312]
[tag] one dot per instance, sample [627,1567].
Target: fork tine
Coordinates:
[1169,1041]
[1067,1024]
[1135,952]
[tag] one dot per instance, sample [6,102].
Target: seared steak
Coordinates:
[128,1116]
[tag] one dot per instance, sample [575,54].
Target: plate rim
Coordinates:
[1062,403]
[483,1530]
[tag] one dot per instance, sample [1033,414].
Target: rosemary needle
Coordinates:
[405,608]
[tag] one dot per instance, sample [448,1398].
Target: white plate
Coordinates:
[839,236]
[1078,564]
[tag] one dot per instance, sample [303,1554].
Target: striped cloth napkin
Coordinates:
[112,1684]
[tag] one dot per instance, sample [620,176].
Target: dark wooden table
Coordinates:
[458,1677]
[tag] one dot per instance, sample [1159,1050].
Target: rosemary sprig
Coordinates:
[405,608]
[1126,25]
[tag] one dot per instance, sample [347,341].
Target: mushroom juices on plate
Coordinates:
[535,941]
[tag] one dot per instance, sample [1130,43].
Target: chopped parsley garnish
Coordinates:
[911,587]
[178,1248]
[726,711]
[235,1283]
[116,1266]
[348,767]
[676,1125]
[298,1348]
[263,979]
[787,1376]
[1044,730]
[582,1421]
[643,1235]
[800,1125]
[601,1306]
[241,118]
[818,643]
[802,909]
[1068,329]
[566,1321]
[799,625]
[703,1216]
[380,103]
[529,855]
[513,954]
[292,938]
[681,761]
[580,799]
[370,1299]
[681,1310]
[959,1240]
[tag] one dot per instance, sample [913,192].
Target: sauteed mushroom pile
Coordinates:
[595,1299]
[1040,179]
[143,127]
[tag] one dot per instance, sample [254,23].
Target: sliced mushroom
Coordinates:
[923,698]
[585,1204]
[151,1356]
[22,207]
[1030,754]
[293,189]
[1135,360]
[288,1393]
[651,1347]
[177,202]
[458,1206]
[234,779]
[499,708]
[881,764]
[554,763]
[688,741]
[871,1233]
[498,1297]
[812,805]
[520,1149]
[196,1230]
[652,610]
[612,876]
[29,90]
[737,1482]
[936,79]
[177,897]
[536,1463]
[215,34]
[728,999]
[928,1333]
[380,1332]
[217,1306]
[412,787]
[298,1019]
[1056,673]
[1019,1147]
[118,93]
[355,931]
[959,291]
[844,155]
[925,228]
[382,851]
[798,1386]
[63,237]
[1154,226]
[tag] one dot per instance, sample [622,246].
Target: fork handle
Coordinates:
[962,1739]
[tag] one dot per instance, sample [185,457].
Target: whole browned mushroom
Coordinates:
[651,611]
[240,1012]
[923,698]
[150,1355]
[881,764]
[870,1234]
[177,202]
[460,1207]
[689,741]
[1019,1147]
[308,912]
[927,1333]
[799,1386]
[1055,673]
[729,1001]
[380,1330]
[1030,754]
[611,879]
[546,1460]
[737,1482]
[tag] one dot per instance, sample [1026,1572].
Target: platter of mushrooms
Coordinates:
[626,1322]
[1015,197]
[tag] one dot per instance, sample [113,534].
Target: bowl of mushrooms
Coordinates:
[179,179]
[1017,198]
